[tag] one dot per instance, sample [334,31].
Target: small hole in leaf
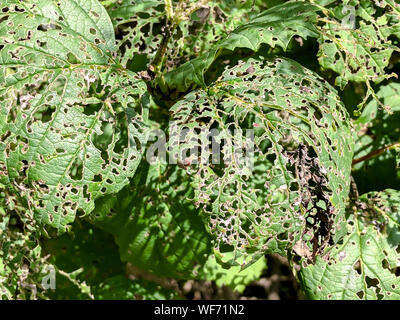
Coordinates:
[371,282]
[357,266]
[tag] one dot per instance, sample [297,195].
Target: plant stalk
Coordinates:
[376,153]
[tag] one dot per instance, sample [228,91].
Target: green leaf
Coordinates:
[121,288]
[303,149]
[358,52]
[88,248]
[90,257]
[139,24]
[275,27]
[207,25]
[22,263]
[234,277]
[365,264]
[155,226]
[72,122]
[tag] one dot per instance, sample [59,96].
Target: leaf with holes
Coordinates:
[275,27]
[366,264]
[378,130]
[73,126]
[22,262]
[355,41]
[207,25]
[141,24]
[137,26]
[300,148]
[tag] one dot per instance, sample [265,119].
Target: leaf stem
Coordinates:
[169,9]
[155,66]
[174,18]
[376,153]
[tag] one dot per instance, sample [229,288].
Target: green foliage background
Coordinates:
[83,83]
